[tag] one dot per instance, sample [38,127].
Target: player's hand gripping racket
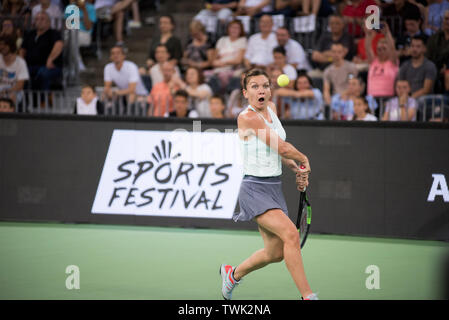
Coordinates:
[304,216]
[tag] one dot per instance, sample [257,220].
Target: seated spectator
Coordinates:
[354,13]
[336,75]
[253,8]
[9,29]
[260,45]
[434,16]
[13,69]
[6,105]
[114,10]
[88,17]
[362,111]
[42,50]
[161,95]
[162,55]
[217,107]
[280,62]
[199,92]
[412,28]
[181,106]
[305,102]
[53,11]
[396,14]
[438,49]
[222,9]
[321,54]
[199,52]
[342,105]
[419,71]
[125,75]
[88,103]
[402,107]
[173,44]
[228,56]
[296,56]
[384,67]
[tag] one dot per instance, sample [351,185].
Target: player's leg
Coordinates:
[272,252]
[280,224]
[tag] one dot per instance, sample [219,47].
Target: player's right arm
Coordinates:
[251,124]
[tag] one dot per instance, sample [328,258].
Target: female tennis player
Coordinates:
[260,198]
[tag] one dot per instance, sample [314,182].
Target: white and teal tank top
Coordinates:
[259,159]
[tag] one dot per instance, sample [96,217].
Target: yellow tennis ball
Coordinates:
[283,80]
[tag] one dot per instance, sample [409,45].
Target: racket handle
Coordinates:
[302,169]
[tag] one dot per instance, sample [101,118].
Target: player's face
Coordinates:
[258,91]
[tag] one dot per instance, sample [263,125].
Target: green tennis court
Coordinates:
[134,262]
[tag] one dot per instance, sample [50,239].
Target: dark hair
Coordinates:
[254,73]
[8,100]
[170,17]
[10,42]
[181,93]
[304,75]
[217,96]
[87,85]
[420,37]
[280,49]
[365,101]
[166,48]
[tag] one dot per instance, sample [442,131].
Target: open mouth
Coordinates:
[261,99]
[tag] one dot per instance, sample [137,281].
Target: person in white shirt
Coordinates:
[362,111]
[88,103]
[296,56]
[259,52]
[125,75]
[53,11]
[13,69]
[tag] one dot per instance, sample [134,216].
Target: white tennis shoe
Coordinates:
[229,283]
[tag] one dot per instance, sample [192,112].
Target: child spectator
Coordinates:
[88,103]
[181,106]
[217,107]
[362,111]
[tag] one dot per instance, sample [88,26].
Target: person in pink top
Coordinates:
[384,67]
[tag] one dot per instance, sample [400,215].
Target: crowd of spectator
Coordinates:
[350,69]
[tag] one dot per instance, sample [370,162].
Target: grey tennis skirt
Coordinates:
[259,194]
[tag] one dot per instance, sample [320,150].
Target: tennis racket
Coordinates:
[304,218]
[304,215]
